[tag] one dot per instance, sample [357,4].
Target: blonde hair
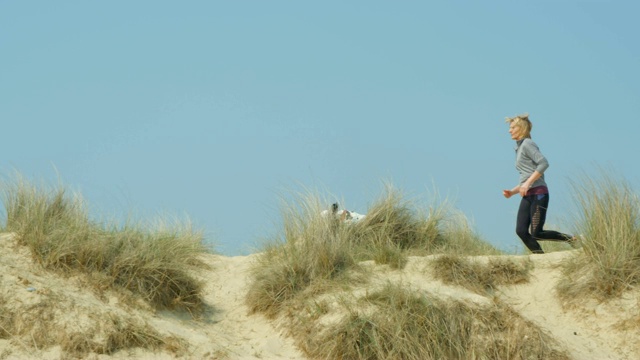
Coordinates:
[523,122]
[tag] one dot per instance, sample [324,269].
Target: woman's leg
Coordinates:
[524,222]
[539,206]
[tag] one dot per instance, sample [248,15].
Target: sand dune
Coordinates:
[45,304]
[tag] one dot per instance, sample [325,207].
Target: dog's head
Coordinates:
[334,208]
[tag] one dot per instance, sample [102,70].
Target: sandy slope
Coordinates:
[590,332]
[228,331]
[240,335]
[593,331]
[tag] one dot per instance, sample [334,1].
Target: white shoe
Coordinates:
[576,241]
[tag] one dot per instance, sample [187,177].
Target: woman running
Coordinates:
[531,165]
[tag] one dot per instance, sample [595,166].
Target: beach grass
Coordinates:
[151,261]
[314,255]
[396,322]
[554,246]
[6,319]
[310,248]
[43,322]
[314,248]
[608,220]
[482,277]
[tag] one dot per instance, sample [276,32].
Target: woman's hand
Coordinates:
[510,193]
[507,193]
[524,188]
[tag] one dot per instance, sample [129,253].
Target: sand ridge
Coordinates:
[228,331]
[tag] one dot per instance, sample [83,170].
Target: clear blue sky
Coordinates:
[213,108]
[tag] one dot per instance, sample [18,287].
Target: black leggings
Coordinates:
[531,215]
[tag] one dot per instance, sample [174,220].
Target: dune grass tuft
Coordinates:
[392,219]
[6,320]
[480,277]
[151,261]
[396,223]
[311,248]
[609,221]
[461,239]
[553,246]
[125,333]
[398,323]
[118,334]
[314,248]
[55,318]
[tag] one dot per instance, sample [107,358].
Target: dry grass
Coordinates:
[553,246]
[398,323]
[393,219]
[313,248]
[6,319]
[41,325]
[461,239]
[152,261]
[315,256]
[118,334]
[631,324]
[396,224]
[609,219]
[64,316]
[480,277]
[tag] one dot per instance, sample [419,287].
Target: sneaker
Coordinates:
[575,241]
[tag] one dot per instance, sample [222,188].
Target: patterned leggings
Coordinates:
[531,215]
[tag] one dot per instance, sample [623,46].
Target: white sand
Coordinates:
[593,331]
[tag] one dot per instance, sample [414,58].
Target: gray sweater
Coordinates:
[529,159]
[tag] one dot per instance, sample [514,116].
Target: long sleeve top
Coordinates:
[530,159]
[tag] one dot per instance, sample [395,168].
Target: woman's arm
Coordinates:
[527,184]
[540,162]
[533,152]
[509,193]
